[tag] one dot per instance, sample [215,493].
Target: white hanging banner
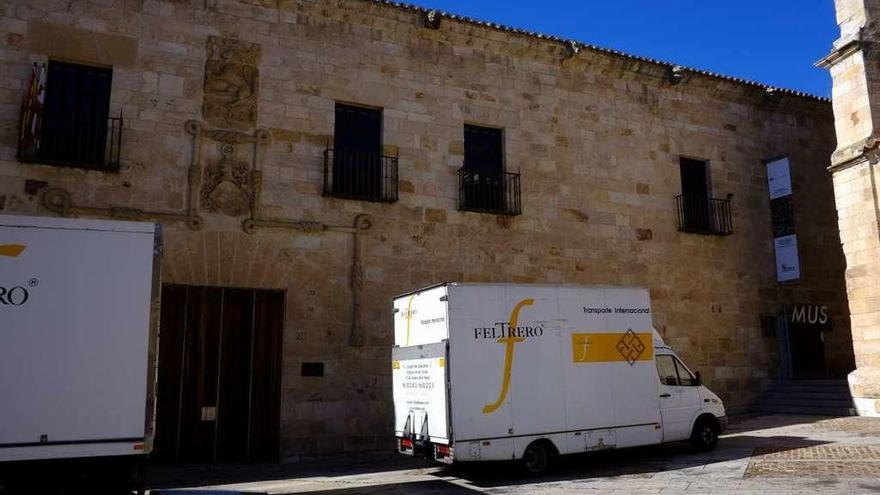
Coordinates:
[779,178]
[788,265]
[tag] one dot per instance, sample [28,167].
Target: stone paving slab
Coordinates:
[820,453]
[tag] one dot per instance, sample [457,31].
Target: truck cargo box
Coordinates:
[78,316]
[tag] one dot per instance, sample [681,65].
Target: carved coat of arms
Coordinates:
[226,186]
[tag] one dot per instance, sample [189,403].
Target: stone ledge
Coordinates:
[78,45]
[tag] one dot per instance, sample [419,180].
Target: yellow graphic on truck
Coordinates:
[408,316]
[629,347]
[509,341]
[11,250]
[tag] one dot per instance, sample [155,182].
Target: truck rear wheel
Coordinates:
[536,458]
[704,438]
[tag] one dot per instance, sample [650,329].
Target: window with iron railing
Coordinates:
[355,168]
[702,215]
[698,211]
[483,184]
[65,118]
[358,175]
[487,192]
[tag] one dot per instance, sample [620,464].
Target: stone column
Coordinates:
[855,68]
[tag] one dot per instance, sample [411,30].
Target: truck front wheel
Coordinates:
[536,458]
[704,438]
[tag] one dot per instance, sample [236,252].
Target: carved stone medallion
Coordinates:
[232,82]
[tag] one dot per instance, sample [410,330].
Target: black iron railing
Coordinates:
[489,192]
[702,215]
[357,175]
[86,144]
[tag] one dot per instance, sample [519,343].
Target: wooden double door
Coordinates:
[219,391]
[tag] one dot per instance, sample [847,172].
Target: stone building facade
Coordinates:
[854,67]
[228,109]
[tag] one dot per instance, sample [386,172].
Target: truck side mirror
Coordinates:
[698,380]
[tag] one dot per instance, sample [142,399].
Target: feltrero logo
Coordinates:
[508,333]
[16,295]
[13,296]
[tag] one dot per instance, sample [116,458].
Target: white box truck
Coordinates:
[78,331]
[526,372]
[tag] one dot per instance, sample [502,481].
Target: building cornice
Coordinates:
[840,52]
[435,17]
[856,154]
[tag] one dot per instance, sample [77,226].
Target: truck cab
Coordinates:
[688,410]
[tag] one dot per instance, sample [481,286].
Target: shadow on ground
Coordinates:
[754,422]
[584,468]
[175,476]
[428,487]
[625,462]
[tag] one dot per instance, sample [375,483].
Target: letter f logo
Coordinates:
[508,357]
[11,250]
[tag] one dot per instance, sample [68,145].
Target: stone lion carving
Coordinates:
[231,83]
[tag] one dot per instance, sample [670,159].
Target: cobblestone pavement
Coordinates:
[765,454]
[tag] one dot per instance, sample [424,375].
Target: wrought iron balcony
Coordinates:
[82,144]
[362,176]
[702,215]
[484,192]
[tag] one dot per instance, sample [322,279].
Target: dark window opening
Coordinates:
[698,211]
[69,122]
[312,369]
[484,186]
[355,167]
[483,149]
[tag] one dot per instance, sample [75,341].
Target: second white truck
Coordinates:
[525,372]
[79,302]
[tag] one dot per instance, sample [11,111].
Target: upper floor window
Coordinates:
[698,211]
[65,118]
[484,185]
[355,167]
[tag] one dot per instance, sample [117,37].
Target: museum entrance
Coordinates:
[802,331]
[219,392]
[807,347]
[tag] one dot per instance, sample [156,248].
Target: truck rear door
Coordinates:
[421,396]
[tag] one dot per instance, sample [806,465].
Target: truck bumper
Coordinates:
[432,451]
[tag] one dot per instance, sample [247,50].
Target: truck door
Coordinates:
[421,401]
[679,397]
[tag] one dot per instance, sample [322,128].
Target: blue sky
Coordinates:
[775,42]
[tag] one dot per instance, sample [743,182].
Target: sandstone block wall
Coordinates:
[597,138]
[853,66]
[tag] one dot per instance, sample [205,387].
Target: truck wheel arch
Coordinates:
[520,451]
[706,417]
[544,442]
[549,450]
